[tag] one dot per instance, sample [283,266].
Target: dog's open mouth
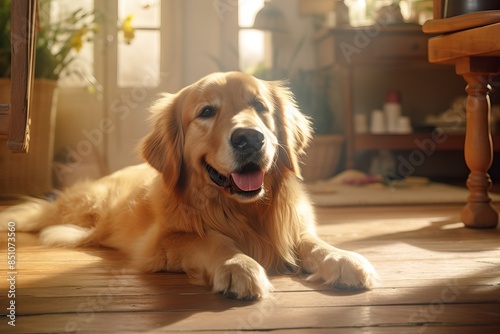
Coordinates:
[248,181]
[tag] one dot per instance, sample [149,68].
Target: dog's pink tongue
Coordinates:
[248,181]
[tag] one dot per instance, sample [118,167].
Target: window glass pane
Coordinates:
[64,8]
[139,61]
[251,42]
[146,13]
[68,16]
[251,49]
[247,10]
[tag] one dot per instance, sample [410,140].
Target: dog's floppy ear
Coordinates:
[294,129]
[162,148]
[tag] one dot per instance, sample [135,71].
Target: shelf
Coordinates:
[423,141]
[367,62]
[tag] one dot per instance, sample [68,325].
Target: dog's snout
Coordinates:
[247,139]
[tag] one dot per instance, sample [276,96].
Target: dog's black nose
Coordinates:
[247,139]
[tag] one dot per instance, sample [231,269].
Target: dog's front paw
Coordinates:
[241,277]
[345,270]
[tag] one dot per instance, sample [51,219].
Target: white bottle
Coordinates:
[392,111]
[377,124]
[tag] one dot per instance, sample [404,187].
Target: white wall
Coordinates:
[210,30]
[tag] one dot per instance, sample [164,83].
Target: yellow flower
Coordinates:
[128,30]
[77,41]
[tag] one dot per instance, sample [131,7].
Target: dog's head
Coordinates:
[228,129]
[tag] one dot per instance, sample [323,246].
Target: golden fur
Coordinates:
[169,214]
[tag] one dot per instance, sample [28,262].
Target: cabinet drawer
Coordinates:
[400,47]
[368,46]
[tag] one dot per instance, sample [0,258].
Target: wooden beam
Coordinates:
[23,37]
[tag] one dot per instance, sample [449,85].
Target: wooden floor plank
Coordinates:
[266,317]
[436,277]
[116,300]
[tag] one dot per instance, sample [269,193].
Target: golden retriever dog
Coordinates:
[220,197]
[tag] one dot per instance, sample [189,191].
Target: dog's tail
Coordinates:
[38,215]
[31,216]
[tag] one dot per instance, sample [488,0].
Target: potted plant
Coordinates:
[56,45]
[311,89]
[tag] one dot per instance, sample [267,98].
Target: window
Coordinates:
[251,42]
[141,55]
[136,58]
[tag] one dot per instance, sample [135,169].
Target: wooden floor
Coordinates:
[436,277]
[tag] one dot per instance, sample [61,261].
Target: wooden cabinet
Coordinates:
[367,62]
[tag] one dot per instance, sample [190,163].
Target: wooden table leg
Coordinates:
[478,213]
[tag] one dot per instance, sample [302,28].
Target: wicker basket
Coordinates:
[322,157]
[31,173]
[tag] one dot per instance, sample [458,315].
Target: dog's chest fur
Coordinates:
[266,230]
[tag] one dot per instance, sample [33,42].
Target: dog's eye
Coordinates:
[259,106]
[207,112]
